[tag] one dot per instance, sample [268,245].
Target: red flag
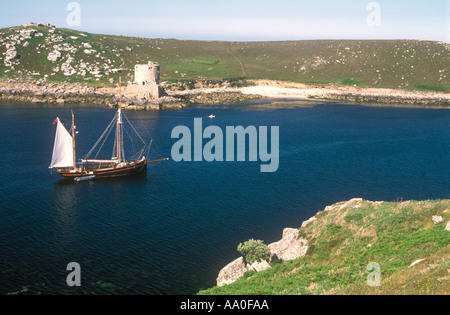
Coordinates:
[56,121]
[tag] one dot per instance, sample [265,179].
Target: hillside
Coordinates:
[409,240]
[63,55]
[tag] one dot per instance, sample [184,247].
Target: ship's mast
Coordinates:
[73,141]
[119,123]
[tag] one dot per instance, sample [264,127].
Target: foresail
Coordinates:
[63,148]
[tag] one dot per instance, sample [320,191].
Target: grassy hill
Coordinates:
[97,59]
[345,238]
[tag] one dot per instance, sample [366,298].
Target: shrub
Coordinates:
[254,250]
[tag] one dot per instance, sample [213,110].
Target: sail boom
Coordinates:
[99,161]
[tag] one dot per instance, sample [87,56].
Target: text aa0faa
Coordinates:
[229,305]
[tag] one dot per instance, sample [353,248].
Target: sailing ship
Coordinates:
[64,160]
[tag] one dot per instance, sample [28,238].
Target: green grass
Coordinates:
[406,64]
[351,81]
[342,243]
[427,87]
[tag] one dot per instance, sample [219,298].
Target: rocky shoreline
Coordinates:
[348,94]
[54,93]
[178,96]
[132,99]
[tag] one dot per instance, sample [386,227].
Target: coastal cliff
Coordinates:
[334,252]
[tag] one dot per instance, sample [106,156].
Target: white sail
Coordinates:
[63,148]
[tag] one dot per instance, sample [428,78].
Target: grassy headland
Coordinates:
[409,240]
[100,59]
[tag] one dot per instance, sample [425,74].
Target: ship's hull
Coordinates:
[129,169]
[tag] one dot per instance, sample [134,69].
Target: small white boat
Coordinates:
[84,178]
[211,116]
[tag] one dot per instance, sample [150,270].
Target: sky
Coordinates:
[241,20]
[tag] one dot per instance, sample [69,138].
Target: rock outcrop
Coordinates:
[236,269]
[11,53]
[38,24]
[27,33]
[290,247]
[54,56]
[66,67]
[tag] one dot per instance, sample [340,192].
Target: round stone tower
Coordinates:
[147,74]
[146,79]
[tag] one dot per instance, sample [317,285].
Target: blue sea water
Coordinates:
[171,232]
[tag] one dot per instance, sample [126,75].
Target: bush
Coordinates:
[254,251]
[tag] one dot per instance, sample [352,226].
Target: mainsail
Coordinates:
[63,148]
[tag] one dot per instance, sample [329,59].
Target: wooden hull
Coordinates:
[129,169]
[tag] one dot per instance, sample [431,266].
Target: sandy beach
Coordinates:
[280,89]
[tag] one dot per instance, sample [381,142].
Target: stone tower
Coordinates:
[147,75]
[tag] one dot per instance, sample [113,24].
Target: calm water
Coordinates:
[172,231]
